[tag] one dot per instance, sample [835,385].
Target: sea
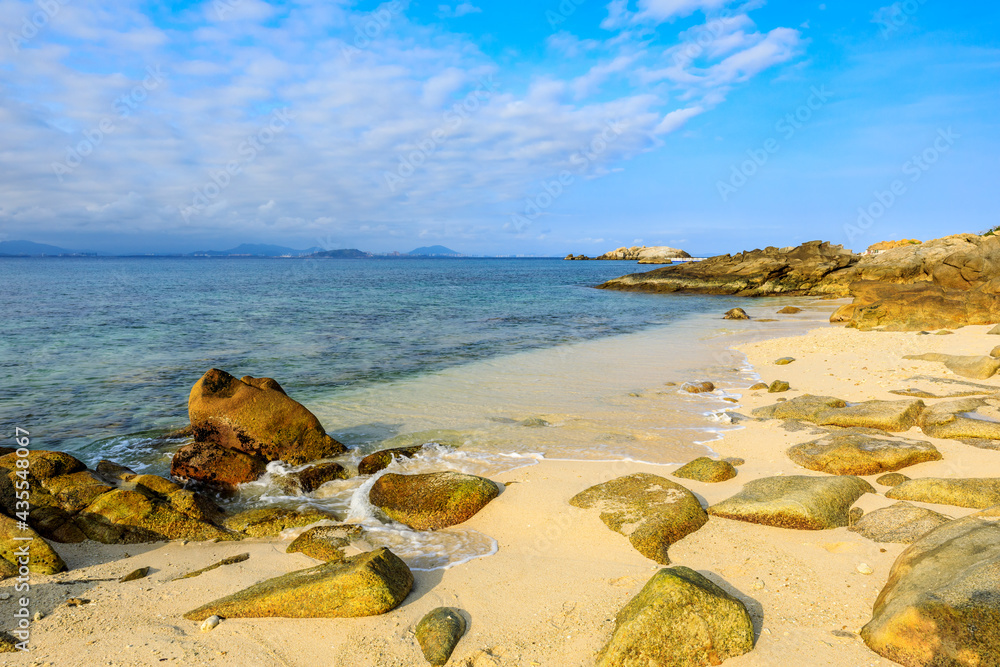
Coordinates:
[495,364]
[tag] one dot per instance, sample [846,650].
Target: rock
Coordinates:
[784,361]
[439,632]
[995,352]
[704,469]
[270,521]
[900,523]
[920,306]
[795,501]
[789,310]
[113,472]
[256,417]
[950,419]
[317,475]
[698,387]
[210,623]
[940,605]
[979,368]
[196,506]
[758,386]
[736,314]
[231,560]
[975,493]
[854,515]
[828,411]
[134,575]
[803,408]
[892,479]
[44,465]
[128,517]
[41,557]
[778,387]
[995,331]
[680,619]
[8,644]
[380,460]
[651,511]
[432,500]
[651,255]
[734,461]
[534,422]
[215,466]
[326,543]
[443,437]
[855,453]
[363,585]
[76,490]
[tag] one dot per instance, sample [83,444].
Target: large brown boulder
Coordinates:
[432,500]
[679,619]
[941,604]
[215,466]
[256,417]
[363,585]
[651,511]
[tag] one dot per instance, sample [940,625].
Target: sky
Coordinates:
[496,128]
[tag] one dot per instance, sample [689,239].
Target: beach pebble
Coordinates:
[210,623]
[778,386]
[38,616]
[4,596]
[784,361]
[698,387]
[758,585]
[135,574]
[758,386]
[864,568]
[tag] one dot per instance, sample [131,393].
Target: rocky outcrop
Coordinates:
[363,585]
[679,618]
[432,500]
[940,605]
[438,633]
[253,417]
[651,255]
[901,523]
[651,511]
[858,453]
[977,493]
[795,501]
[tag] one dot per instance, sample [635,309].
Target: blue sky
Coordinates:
[497,127]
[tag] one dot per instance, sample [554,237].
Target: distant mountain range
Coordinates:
[31,249]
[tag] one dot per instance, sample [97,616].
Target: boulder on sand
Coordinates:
[681,619]
[951,419]
[976,367]
[651,511]
[438,633]
[975,493]
[896,416]
[326,543]
[940,605]
[432,500]
[704,469]
[901,523]
[42,558]
[363,585]
[852,452]
[795,501]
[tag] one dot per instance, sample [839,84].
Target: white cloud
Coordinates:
[666,10]
[675,120]
[461,9]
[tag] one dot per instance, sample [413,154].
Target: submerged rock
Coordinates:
[704,469]
[432,500]
[651,511]
[789,310]
[439,632]
[216,466]
[940,605]
[698,387]
[855,453]
[736,314]
[901,523]
[363,585]
[680,619]
[975,493]
[795,501]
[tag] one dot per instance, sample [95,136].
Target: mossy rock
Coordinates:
[8,644]
[949,419]
[432,500]
[439,632]
[804,408]
[977,493]
[145,519]
[975,367]
[940,605]
[363,585]
[44,465]
[326,543]
[317,475]
[894,416]
[651,511]
[704,469]
[795,501]
[901,523]
[892,479]
[154,485]
[42,558]
[681,619]
[381,459]
[789,310]
[75,491]
[778,387]
[270,521]
[196,506]
[856,453]
[215,466]
[784,361]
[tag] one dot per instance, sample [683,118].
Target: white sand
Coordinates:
[549,596]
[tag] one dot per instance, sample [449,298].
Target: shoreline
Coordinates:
[550,593]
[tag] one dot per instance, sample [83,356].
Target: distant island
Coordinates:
[652,255]
[435,251]
[255,250]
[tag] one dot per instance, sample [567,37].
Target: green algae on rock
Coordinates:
[326,543]
[704,469]
[42,558]
[381,459]
[651,511]
[270,521]
[439,632]
[681,619]
[795,501]
[367,584]
[855,453]
[900,523]
[977,493]
[432,500]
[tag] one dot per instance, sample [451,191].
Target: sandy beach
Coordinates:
[550,594]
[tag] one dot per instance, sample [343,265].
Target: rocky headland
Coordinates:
[642,254]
